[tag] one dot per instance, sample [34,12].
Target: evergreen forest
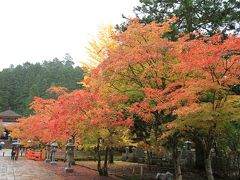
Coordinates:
[19,85]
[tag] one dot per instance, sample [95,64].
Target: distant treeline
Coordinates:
[18,85]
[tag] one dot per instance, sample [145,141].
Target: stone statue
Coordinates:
[48,153]
[53,150]
[69,155]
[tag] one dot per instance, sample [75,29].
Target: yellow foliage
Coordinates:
[98,48]
[1,127]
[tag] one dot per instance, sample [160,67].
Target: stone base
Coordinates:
[53,162]
[48,160]
[68,170]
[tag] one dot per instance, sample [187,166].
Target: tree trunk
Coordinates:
[199,161]
[208,168]
[149,158]
[176,162]
[188,7]
[100,172]
[111,156]
[207,145]
[105,167]
[238,162]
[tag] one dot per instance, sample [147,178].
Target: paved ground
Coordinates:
[5,152]
[24,169]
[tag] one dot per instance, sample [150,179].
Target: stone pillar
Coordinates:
[53,150]
[69,156]
[48,153]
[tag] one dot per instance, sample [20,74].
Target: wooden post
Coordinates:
[133,171]
[141,170]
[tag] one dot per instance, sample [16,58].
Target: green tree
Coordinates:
[19,84]
[210,15]
[228,149]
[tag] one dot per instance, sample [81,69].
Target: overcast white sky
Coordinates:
[38,30]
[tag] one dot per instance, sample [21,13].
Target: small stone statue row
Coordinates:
[69,154]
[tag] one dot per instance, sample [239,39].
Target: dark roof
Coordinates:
[9,113]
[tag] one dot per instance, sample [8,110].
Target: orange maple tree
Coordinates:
[144,75]
[163,77]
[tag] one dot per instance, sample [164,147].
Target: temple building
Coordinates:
[6,118]
[9,116]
